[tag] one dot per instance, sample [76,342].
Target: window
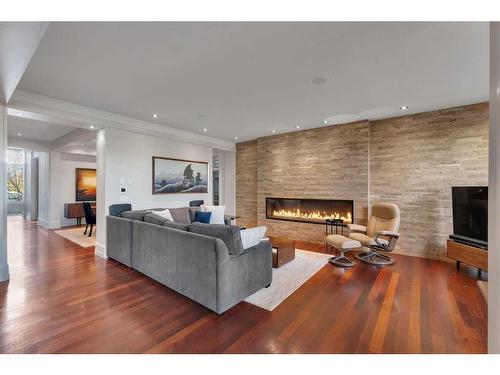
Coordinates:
[15,175]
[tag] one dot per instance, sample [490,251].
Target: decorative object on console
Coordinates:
[85,184]
[379,236]
[217,216]
[171,176]
[252,236]
[202,217]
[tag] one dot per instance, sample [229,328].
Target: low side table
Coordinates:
[283,250]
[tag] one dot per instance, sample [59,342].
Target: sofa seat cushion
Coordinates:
[180,215]
[363,238]
[179,226]
[229,234]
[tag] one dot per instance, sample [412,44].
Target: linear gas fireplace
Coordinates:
[309,210]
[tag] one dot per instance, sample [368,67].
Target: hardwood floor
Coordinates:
[63,299]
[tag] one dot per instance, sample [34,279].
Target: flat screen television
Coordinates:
[470,215]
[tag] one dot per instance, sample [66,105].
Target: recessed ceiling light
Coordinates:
[155,115]
[325,121]
[236,138]
[275,131]
[19,134]
[319,80]
[205,129]
[403,107]
[91,126]
[297,127]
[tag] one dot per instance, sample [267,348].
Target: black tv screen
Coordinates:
[470,213]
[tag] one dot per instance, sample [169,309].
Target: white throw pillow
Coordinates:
[252,236]
[218,212]
[164,214]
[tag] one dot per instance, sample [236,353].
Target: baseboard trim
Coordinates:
[4,273]
[49,224]
[100,251]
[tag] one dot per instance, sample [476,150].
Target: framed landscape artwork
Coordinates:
[85,184]
[172,176]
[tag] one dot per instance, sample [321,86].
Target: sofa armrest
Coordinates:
[357,228]
[388,233]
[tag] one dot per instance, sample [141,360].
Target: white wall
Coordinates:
[129,157]
[127,160]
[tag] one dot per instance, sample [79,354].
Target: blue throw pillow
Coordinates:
[202,217]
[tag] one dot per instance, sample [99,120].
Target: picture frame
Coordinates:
[179,176]
[85,184]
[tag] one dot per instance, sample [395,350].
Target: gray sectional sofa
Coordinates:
[205,262]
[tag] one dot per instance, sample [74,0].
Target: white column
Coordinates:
[4,267]
[100,247]
[27,185]
[494,194]
[55,206]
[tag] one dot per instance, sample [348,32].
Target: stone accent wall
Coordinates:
[324,163]
[412,161]
[246,183]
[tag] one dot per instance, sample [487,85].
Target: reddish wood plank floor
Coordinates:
[63,299]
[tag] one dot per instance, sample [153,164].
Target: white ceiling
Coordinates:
[35,130]
[18,41]
[246,79]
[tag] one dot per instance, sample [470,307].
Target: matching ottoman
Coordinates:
[343,245]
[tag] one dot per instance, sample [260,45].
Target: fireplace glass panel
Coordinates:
[309,210]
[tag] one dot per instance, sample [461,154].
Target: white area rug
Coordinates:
[288,278]
[76,235]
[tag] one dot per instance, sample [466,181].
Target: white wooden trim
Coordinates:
[61,112]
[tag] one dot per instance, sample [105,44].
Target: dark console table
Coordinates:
[75,211]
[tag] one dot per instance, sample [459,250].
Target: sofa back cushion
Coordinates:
[192,213]
[180,215]
[229,234]
[134,215]
[117,209]
[154,218]
[173,225]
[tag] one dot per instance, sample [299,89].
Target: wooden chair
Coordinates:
[89,217]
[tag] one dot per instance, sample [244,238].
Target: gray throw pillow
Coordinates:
[229,234]
[170,224]
[180,215]
[153,218]
[192,212]
[134,215]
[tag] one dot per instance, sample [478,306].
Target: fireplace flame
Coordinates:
[312,215]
